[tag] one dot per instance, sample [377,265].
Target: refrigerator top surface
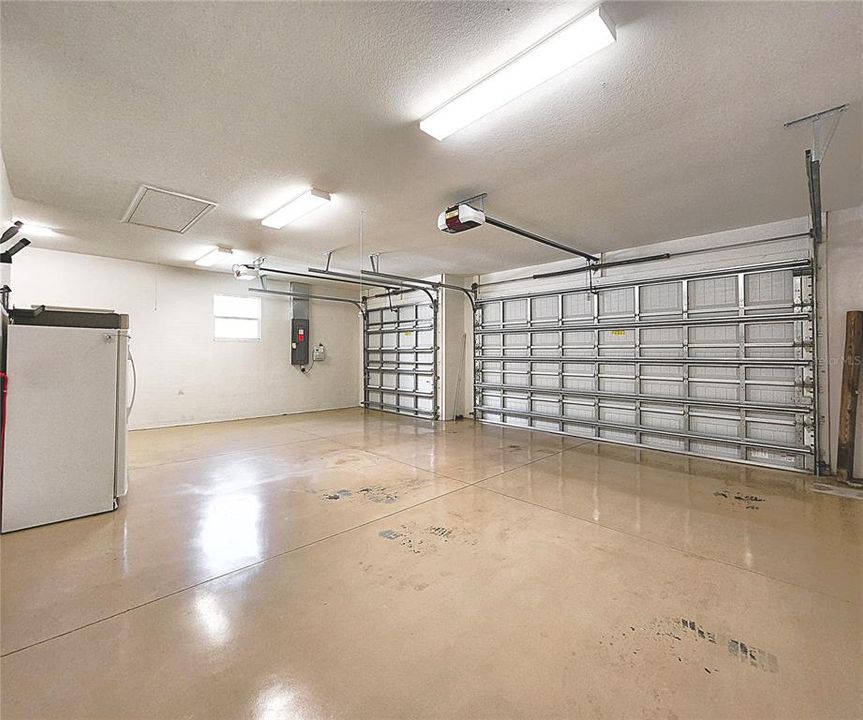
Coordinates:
[68,317]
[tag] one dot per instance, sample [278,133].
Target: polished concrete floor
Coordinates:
[351,564]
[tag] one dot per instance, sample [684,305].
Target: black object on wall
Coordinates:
[299,341]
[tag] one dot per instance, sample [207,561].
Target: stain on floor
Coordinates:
[441,532]
[373,493]
[749,502]
[425,540]
[378,494]
[689,642]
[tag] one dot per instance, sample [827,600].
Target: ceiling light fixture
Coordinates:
[563,48]
[220,252]
[302,205]
[36,230]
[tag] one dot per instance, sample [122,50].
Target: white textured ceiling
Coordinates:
[675,130]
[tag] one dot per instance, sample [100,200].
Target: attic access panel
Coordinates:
[166,210]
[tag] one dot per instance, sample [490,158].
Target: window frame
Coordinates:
[259,318]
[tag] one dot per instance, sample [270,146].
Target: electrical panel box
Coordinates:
[319,353]
[299,341]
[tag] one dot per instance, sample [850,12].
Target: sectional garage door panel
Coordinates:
[400,358]
[721,364]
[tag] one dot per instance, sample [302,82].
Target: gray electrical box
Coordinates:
[299,326]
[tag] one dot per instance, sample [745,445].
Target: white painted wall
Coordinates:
[5,195]
[184,376]
[844,292]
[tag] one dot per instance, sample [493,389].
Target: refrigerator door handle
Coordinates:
[134,384]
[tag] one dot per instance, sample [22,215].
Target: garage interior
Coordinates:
[431,359]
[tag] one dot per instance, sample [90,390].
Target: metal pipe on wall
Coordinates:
[360,280]
[295,273]
[649,258]
[429,283]
[654,280]
[363,277]
[600,266]
[822,466]
[287,293]
[390,293]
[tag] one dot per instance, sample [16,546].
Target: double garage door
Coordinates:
[718,364]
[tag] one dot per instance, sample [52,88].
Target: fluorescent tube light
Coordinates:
[213,256]
[310,200]
[36,230]
[558,51]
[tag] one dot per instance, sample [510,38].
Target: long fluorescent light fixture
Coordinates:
[310,200]
[213,256]
[36,230]
[563,48]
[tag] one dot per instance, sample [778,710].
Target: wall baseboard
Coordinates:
[234,419]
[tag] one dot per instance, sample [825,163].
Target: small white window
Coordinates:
[236,318]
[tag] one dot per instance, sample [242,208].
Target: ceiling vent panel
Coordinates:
[166,210]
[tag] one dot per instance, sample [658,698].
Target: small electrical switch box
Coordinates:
[299,342]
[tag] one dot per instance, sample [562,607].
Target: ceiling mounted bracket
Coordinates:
[824,126]
[374,261]
[592,267]
[472,201]
[329,256]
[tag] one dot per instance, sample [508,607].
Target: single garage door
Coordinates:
[718,364]
[400,354]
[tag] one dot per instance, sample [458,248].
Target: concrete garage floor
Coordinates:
[360,565]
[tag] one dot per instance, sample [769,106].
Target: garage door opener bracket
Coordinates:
[824,126]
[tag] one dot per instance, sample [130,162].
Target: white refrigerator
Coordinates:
[66,411]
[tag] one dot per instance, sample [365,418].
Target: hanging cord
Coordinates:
[459,389]
[306,370]
[155,276]
[362,244]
